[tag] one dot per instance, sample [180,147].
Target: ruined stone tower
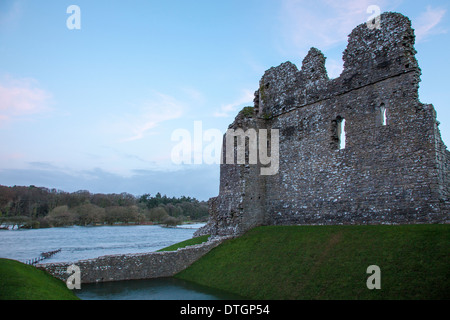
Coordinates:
[358,149]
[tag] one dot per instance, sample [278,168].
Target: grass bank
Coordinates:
[189,242]
[19,281]
[330,262]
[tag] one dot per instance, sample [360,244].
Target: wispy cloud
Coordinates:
[149,114]
[428,23]
[226,110]
[324,23]
[194,95]
[21,98]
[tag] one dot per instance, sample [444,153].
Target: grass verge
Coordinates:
[330,262]
[186,243]
[19,281]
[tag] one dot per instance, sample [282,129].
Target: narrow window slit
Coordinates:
[341,133]
[383,115]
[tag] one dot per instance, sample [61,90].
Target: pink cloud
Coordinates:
[21,98]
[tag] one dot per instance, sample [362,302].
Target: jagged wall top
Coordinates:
[371,55]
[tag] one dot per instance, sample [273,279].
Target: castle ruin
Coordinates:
[358,149]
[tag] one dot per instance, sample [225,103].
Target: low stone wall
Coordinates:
[134,266]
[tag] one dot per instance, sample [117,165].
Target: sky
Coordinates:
[94,106]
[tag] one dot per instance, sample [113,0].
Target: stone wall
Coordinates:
[134,266]
[394,167]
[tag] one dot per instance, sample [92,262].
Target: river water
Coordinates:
[78,243]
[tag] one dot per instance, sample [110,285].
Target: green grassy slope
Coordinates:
[19,281]
[189,242]
[330,262]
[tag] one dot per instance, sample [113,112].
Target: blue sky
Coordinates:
[95,108]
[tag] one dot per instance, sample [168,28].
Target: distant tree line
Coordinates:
[36,207]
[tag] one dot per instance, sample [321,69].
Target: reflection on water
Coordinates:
[152,289]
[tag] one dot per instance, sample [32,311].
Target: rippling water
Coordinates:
[77,243]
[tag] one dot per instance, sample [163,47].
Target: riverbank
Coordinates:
[330,262]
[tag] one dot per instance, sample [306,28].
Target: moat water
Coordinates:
[152,289]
